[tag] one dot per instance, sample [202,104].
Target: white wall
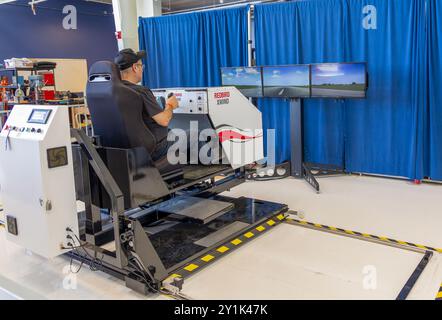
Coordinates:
[126,14]
[70,74]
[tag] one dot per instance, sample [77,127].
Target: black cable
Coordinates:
[268,178]
[71,263]
[93,266]
[148,283]
[73,247]
[94,260]
[96,263]
[141,273]
[138,268]
[7,140]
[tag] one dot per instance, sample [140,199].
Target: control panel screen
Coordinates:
[39,116]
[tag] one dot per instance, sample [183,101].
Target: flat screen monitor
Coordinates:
[287,81]
[339,80]
[248,80]
[39,116]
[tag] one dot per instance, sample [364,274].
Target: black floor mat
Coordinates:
[177,243]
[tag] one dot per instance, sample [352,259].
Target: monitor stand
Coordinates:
[300,169]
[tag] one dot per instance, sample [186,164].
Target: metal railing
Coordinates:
[216,6]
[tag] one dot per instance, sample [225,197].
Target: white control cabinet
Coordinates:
[37,179]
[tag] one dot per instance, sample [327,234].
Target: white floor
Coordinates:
[288,262]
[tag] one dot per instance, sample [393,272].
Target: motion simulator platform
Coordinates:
[143,220]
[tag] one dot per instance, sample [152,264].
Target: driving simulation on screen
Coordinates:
[339,80]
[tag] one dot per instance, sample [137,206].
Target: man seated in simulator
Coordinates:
[156,119]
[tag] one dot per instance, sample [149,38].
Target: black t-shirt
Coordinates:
[151,109]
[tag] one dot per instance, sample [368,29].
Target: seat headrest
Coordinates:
[104,69]
[116,110]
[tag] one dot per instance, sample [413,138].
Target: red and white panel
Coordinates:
[238,124]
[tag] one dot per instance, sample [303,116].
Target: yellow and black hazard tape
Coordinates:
[228,247]
[362,235]
[439,294]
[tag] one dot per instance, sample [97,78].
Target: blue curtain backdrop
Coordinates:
[379,135]
[433,113]
[188,50]
[292,33]
[396,131]
[383,132]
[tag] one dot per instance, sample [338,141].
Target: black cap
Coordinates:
[127,58]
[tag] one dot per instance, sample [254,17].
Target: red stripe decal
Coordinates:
[230,134]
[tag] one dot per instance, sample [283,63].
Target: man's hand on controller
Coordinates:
[172,102]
